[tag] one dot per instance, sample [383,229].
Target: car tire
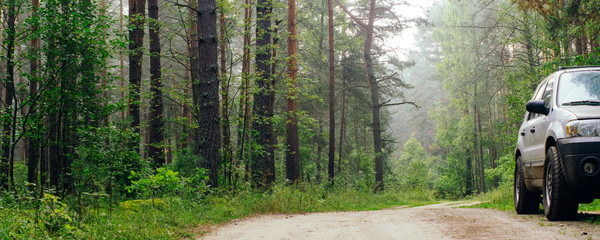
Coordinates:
[526,202]
[559,200]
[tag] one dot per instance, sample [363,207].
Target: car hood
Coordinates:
[584,111]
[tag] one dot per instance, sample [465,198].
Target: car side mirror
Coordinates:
[537,106]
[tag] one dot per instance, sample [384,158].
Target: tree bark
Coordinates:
[156,135]
[194,61]
[227,152]
[293,148]
[374,100]
[480,153]
[469,176]
[121,61]
[331,94]
[245,109]
[263,161]
[342,117]
[136,44]
[206,91]
[374,87]
[6,178]
[33,138]
[319,149]
[494,151]
[477,143]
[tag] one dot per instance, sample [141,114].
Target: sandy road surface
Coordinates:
[440,221]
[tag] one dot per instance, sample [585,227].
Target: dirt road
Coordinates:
[440,221]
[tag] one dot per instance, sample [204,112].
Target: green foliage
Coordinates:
[105,159]
[140,205]
[414,168]
[499,198]
[166,182]
[318,198]
[186,163]
[54,215]
[51,218]
[503,173]
[17,225]
[176,218]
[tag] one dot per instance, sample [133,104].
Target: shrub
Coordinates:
[167,182]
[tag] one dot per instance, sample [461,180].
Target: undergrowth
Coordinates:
[175,218]
[500,198]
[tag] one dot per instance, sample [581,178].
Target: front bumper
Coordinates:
[575,153]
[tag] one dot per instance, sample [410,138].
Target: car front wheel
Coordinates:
[526,202]
[559,201]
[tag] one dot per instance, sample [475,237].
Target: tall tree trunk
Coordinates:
[156,135]
[122,62]
[6,178]
[319,149]
[136,44]
[478,143]
[245,110]
[194,61]
[54,160]
[292,143]
[331,94]
[480,153]
[375,106]
[342,117]
[67,152]
[206,90]
[374,87]
[469,176]
[263,168]
[475,148]
[493,149]
[227,151]
[33,138]
[43,170]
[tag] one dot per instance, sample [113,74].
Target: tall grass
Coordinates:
[174,218]
[500,198]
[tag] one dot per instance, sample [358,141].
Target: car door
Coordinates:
[540,128]
[527,130]
[538,132]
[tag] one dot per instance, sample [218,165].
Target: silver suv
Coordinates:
[558,149]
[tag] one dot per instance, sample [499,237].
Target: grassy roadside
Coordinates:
[175,218]
[502,199]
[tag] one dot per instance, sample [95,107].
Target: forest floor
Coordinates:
[440,221]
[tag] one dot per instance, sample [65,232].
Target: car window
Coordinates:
[548,92]
[538,96]
[540,91]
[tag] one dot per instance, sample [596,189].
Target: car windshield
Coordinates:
[579,88]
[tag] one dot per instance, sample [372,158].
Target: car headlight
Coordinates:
[583,128]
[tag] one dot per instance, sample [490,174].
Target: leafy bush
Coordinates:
[166,182]
[185,162]
[54,217]
[413,170]
[105,159]
[503,173]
